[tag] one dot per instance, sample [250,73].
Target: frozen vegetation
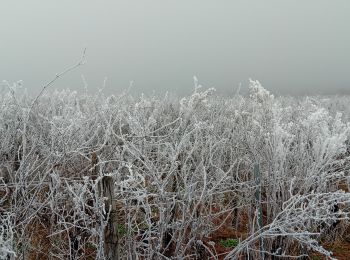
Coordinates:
[203,177]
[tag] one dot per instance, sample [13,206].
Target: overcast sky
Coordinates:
[291,47]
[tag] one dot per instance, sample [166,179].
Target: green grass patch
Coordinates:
[121,229]
[229,242]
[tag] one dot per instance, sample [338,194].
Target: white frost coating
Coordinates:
[182,170]
[258,92]
[6,238]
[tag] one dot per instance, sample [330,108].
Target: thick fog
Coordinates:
[291,47]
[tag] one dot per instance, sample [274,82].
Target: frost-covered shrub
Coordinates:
[182,171]
[7,250]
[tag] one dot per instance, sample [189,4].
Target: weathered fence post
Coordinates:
[106,190]
[111,230]
[257,178]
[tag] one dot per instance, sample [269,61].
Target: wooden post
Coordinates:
[111,230]
[106,190]
[257,177]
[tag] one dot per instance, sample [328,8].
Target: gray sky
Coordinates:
[291,47]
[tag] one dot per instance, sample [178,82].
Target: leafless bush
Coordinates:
[176,168]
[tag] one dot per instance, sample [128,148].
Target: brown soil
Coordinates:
[340,250]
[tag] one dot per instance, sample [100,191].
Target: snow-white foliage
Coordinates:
[6,238]
[182,171]
[258,93]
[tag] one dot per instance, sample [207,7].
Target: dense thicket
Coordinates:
[186,174]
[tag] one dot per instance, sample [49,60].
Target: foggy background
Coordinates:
[291,47]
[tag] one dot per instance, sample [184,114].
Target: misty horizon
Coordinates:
[291,48]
